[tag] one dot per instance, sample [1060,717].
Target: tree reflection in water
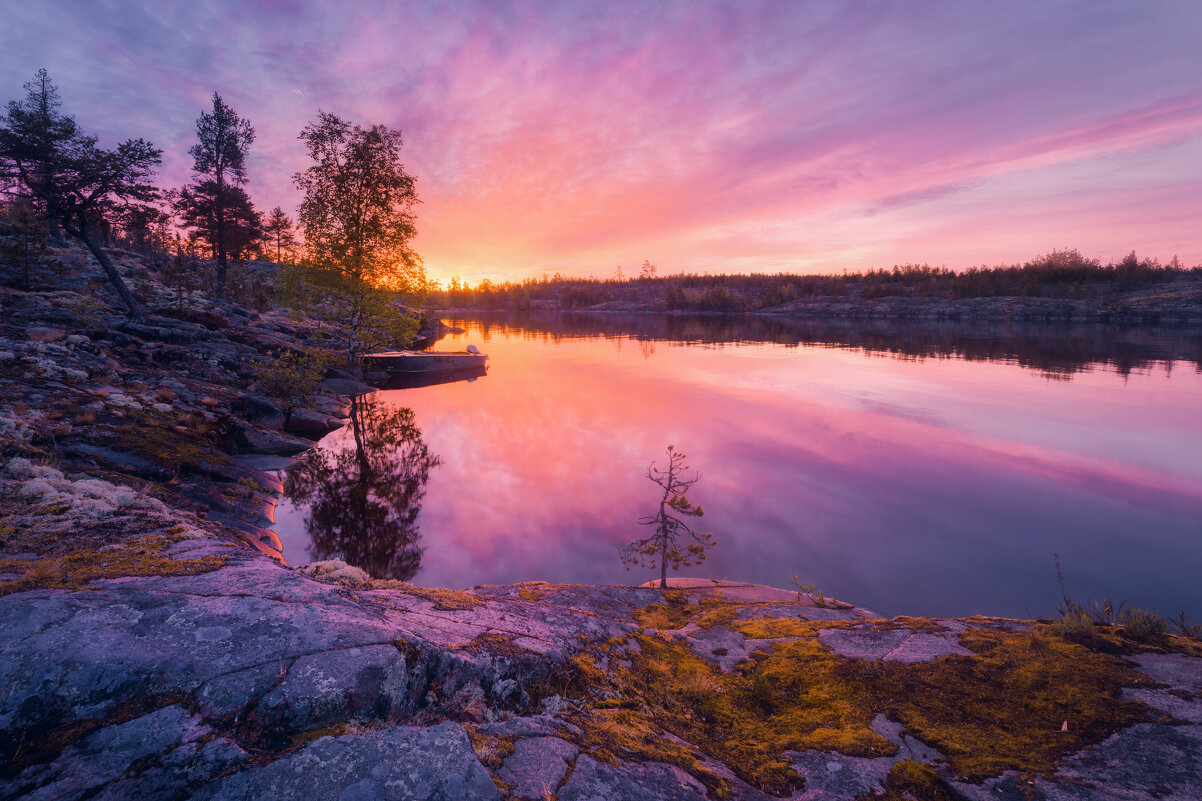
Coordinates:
[364,492]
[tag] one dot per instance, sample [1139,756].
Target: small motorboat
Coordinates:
[416,380]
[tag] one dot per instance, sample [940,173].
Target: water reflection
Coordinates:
[1057,350]
[364,491]
[909,468]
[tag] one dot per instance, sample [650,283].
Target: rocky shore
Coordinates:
[1175,304]
[153,645]
[1178,304]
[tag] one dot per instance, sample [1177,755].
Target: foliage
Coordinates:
[357,220]
[360,316]
[364,493]
[290,377]
[218,208]
[1081,623]
[357,213]
[674,542]
[1058,274]
[79,184]
[180,277]
[22,238]
[222,217]
[278,231]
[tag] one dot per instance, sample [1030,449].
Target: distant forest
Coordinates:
[1059,274]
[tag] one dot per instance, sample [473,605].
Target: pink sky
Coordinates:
[706,137]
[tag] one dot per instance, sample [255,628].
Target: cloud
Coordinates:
[751,135]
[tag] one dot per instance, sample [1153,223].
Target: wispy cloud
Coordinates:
[717,136]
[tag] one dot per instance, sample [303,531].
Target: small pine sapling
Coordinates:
[673,542]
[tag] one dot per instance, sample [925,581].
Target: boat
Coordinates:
[416,380]
[407,362]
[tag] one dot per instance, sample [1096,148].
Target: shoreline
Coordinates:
[1174,305]
[151,647]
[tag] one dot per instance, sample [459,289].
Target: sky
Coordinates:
[580,137]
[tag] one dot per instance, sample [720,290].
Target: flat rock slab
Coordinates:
[344,684]
[899,645]
[104,756]
[1176,670]
[835,777]
[596,781]
[397,764]
[1147,761]
[537,766]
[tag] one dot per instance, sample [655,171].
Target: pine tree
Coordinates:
[220,157]
[80,185]
[278,231]
[674,542]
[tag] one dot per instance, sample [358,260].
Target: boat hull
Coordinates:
[407,362]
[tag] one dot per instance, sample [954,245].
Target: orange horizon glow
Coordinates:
[726,137]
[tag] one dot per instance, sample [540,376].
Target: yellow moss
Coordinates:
[491,751]
[721,614]
[1003,708]
[913,780]
[998,710]
[444,600]
[533,591]
[660,617]
[915,624]
[676,612]
[143,556]
[612,735]
[304,738]
[772,628]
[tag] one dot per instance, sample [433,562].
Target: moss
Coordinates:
[443,599]
[304,738]
[613,735]
[1000,709]
[718,614]
[533,591]
[490,750]
[141,556]
[723,715]
[913,780]
[676,612]
[155,438]
[772,628]
[1003,708]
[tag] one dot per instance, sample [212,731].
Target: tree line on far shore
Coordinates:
[1058,274]
[348,256]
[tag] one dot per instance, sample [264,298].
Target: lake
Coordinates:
[910,468]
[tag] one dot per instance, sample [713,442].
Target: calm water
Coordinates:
[912,469]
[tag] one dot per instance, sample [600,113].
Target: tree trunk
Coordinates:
[663,538]
[219,211]
[131,304]
[56,231]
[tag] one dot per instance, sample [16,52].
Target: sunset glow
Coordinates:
[715,137]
